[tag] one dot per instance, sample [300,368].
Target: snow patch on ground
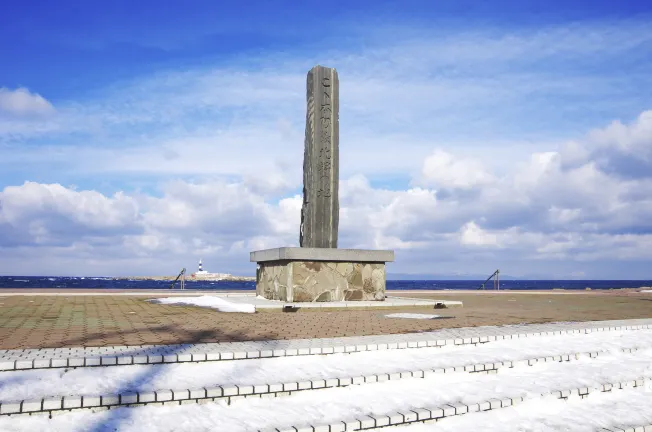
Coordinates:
[623,408]
[646,291]
[412,316]
[212,302]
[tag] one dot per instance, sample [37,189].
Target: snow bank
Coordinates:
[38,383]
[412,316]
[337,404]
[212,302]
[623,408]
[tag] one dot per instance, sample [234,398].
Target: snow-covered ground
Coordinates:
[328,406]
[39,383]
[630,407]
[625,408]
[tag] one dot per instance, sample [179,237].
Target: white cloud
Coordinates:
[442,170]
[542,211]
[624,150]
[472,234]
[634,138]
[21,102]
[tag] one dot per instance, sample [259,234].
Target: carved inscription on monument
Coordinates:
[320,210]
[324,164]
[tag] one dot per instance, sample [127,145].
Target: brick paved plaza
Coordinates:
[60,321]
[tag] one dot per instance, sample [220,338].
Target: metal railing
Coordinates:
[496,278]
[182,282]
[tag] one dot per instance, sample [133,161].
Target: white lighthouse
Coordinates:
[203,274]
[201,270]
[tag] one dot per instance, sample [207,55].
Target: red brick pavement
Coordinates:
[59,321]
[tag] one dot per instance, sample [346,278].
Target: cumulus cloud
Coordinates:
[459,216]
[49,214]
[442,170]
[472,234]
[209,219]
[619,149]
[22,102]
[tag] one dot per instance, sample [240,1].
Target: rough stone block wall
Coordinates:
[272,280]
[310,281]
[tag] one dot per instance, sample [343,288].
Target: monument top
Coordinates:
[320,209]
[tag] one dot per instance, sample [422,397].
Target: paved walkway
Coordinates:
[108,320]
[30,358]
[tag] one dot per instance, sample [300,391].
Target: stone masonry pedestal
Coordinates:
[321,274]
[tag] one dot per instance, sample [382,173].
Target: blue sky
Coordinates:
[137,136]
[86,46]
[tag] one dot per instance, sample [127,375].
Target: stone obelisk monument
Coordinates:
[318,271]
[321,211]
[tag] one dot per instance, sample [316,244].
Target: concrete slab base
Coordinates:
[265,305]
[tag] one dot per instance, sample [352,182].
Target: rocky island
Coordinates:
[199,275]
[213,277]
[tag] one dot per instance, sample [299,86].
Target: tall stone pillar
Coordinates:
[320,210]
[318,270]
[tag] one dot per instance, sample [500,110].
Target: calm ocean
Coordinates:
[105,282]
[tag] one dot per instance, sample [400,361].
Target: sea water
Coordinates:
[110,283]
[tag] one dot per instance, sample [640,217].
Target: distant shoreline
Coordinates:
[393,292]
[224,281]
[216,278]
